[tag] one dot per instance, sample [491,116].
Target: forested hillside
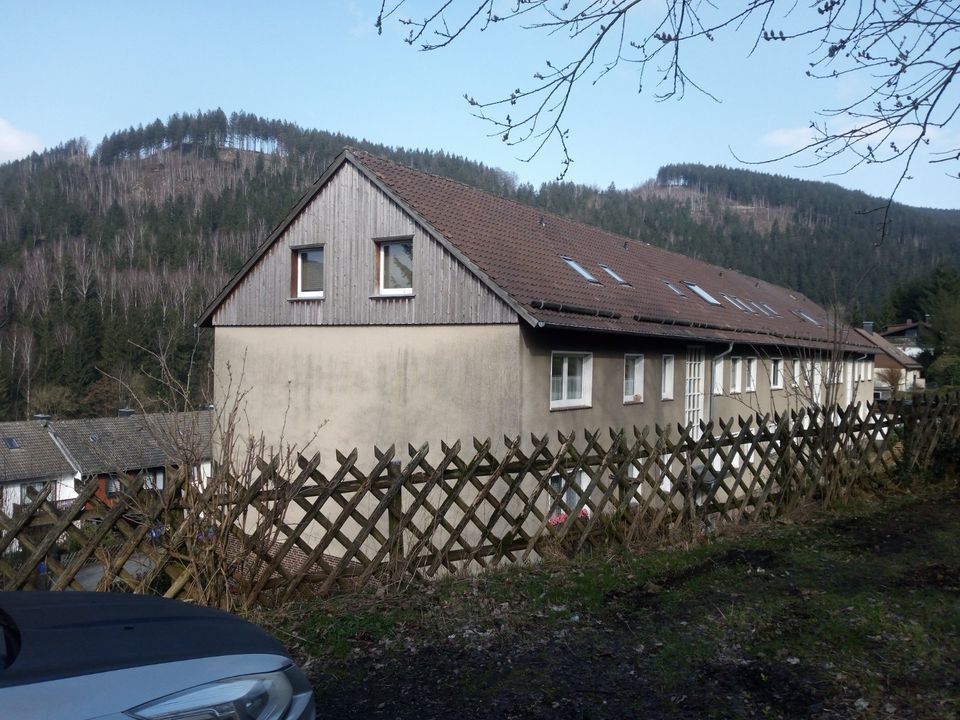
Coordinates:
[108,254]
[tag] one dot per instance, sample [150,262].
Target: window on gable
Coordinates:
[633,378]
[579,268]
[702,294]
[395,260]
[736,382]
[666,378]
[308,272]
[571,380]
[612,273]
[776,374]
[751,374]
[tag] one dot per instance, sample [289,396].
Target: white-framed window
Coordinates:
[308,272]
[113,485]
[869,368]
[718,376]
[751,374]
[571,379]
[776,374]
[736,375]
[666,378]
[571,495]
[152,480]
[797,373]
[633,378]
[395,260]
[29,490]
[816,381]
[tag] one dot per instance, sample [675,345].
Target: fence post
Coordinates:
[394,514]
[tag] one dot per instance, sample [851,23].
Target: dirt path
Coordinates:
[852,616]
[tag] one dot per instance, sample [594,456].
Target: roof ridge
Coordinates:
[562,218]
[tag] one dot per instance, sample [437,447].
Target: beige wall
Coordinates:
[414,384]
[372,385]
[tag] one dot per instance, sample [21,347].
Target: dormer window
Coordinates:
[308,272]
[702,294]
[612,273]
[580,269]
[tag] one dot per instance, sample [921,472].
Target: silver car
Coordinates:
[111,656]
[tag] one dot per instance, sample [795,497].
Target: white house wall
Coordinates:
[347,215]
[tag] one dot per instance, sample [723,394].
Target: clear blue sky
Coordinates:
[87,69]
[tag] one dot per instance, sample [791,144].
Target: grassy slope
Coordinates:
[855,613]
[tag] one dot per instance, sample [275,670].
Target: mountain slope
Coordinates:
[108,255]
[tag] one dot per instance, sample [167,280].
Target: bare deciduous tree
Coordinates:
[905,52]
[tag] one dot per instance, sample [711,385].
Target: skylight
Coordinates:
[770,308]
[703,294]
[579,268]
[736,302]
[11,443]
[673,287]
[804,316]
[759,306]
[612,273]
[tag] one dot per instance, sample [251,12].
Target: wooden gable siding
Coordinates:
[346,216]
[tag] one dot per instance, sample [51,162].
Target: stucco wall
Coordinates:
[372,385]
[607,405]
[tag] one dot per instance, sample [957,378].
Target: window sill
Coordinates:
[561,408]
[407,296]
[627,401]
[667,399]
[305,299]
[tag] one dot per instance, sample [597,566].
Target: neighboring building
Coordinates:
[908,336]
[30,458]
[69,453]
[896,371]
[403,307]
[135,445]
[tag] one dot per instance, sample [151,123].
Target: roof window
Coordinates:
[736,302]
[804,316]
[579,268]
[774,312]
[11,443]
[673,287]
[759,306]
[703,294]
[613,273]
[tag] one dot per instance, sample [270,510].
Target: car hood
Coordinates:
[52,635]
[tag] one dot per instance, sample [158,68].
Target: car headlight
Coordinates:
[248,697]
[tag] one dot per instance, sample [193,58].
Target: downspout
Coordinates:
[713,369]
[853,373]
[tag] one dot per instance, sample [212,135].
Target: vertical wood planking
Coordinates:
[347,216]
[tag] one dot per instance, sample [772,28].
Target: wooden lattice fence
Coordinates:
[273,536]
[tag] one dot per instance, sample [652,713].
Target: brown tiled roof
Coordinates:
[520,249]
[35,455]
[900,327]
[887,348]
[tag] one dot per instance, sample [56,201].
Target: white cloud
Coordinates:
[14,143]
[787,140]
